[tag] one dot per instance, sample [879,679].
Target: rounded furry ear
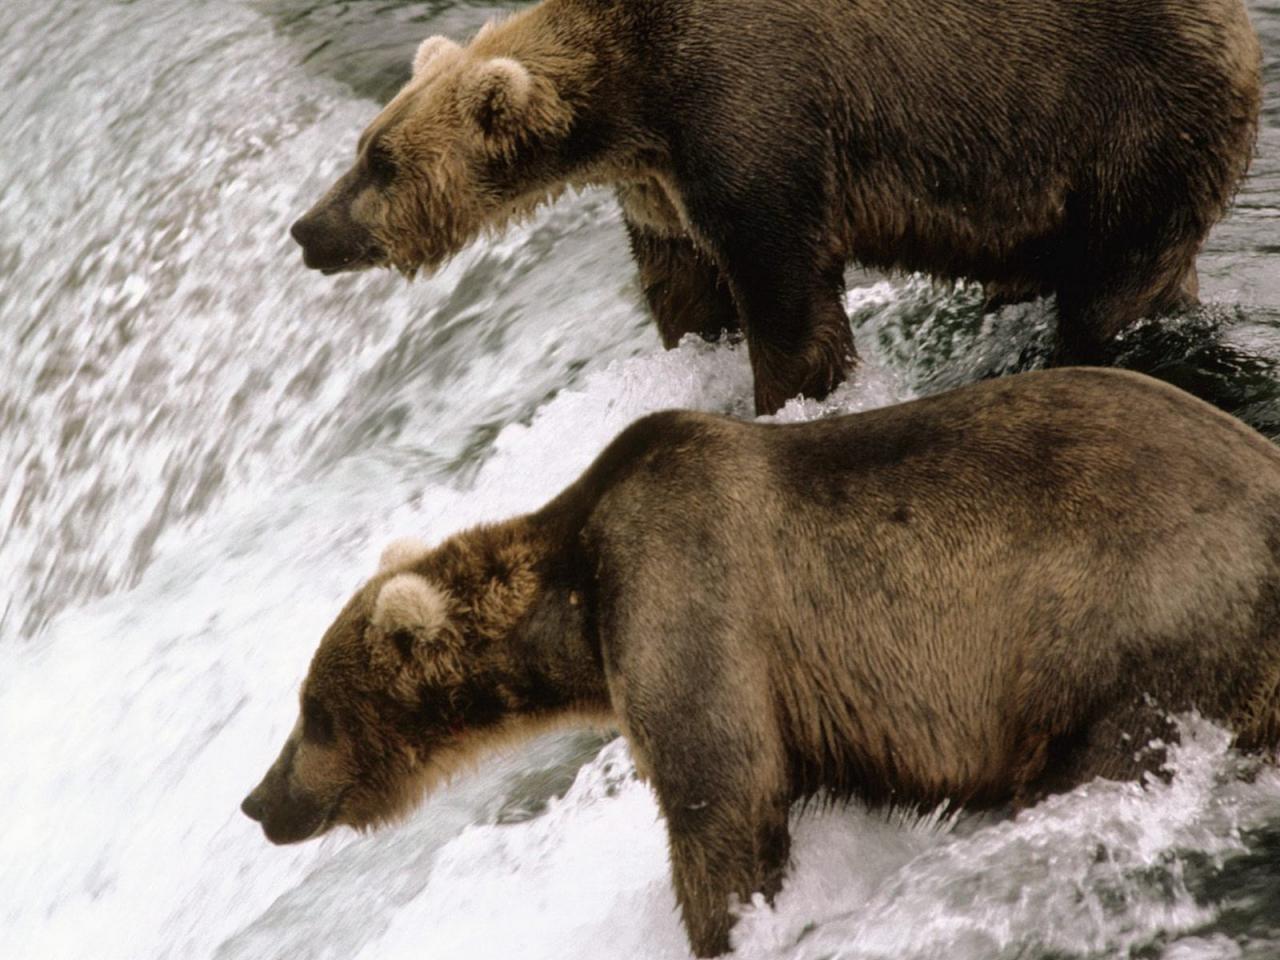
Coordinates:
[410,603]
[429,49]
[497,92]
[411,628]
[401,553]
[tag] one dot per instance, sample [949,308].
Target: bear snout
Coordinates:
[330,246]
[286,818]
[287,810]
[253,807]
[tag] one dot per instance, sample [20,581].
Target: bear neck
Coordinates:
[528,611]
[575,48]
[556,39]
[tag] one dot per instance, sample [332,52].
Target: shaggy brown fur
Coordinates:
[974,598]
[757,146]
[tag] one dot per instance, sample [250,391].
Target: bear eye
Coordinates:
[382,166]
[317,723]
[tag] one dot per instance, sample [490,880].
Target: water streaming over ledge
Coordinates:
[203,448]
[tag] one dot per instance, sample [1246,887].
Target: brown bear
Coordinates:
[975,598]
[1036,146]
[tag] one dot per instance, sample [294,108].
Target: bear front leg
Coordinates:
[691,686]
[1122,741]
[683,287]
[723,848]
[1111,292]
[797,331]
[720,777]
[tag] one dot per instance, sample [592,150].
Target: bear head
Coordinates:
[466,145]
[403,685]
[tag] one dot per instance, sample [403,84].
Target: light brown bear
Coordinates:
[974,598]
[757,147]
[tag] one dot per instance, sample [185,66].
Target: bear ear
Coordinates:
[429,49]
[411,626]
[401,553]
[497,93]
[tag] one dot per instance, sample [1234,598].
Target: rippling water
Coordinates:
[203,448]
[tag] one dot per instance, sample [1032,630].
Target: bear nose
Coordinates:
[252,807]
[302,231]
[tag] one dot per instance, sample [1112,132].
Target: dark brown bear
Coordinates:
[757,146]
[978,598]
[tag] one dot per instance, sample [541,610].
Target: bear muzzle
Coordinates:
[332,245]
[287,819]
[288,813]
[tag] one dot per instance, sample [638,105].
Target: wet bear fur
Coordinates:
[758,146]
[976,598]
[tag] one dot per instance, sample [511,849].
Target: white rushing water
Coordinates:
[203,449]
